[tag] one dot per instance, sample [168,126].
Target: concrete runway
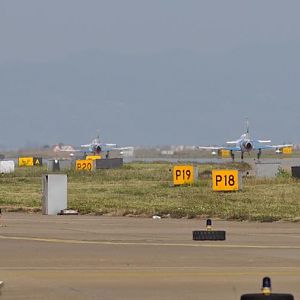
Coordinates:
[87,257]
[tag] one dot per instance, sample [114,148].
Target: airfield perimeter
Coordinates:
[101,257]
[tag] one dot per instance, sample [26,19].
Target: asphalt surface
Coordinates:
[87,257]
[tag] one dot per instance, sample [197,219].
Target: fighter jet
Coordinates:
[245,144]
[96,147]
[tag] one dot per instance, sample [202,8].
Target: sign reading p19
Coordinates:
[183,175]
[226,180]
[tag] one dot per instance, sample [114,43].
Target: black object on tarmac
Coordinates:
[296,171]
[209,234]
[266,293]
[68,212]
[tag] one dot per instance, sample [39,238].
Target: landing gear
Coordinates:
[242,155]
[259,154]
[232,155]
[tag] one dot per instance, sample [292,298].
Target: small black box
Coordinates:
[296,171]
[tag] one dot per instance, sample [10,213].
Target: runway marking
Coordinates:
[109,243]
[109,273]
[199,269]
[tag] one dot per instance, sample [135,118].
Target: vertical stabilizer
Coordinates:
[247,129]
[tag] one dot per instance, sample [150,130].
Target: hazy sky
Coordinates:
[148,72]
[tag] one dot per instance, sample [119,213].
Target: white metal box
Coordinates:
[7,166]
[55,193]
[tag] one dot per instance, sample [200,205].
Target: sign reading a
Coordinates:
[37,161]
[30,161]
[25,161]
[86,165]
[226,180]
[183,175]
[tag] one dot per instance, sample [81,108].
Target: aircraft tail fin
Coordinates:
[247,129]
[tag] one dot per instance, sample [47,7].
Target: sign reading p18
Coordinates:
[226,180]
[183,175]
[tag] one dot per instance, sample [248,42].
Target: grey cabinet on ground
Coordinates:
[54,193]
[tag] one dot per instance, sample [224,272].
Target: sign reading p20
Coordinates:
[183,175]
[226,180]
[86,165]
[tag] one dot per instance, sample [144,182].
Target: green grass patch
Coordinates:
[146,189]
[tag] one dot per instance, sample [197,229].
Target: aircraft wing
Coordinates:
[104,149]
[209,147]
[86,145]
[112,147]
[125,148]
[102,145]
[219,148]
[282,146]
[233,142]
[263,141]
[259,145]
[109,145]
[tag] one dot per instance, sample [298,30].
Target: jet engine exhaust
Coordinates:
[97,149]
[248,146]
